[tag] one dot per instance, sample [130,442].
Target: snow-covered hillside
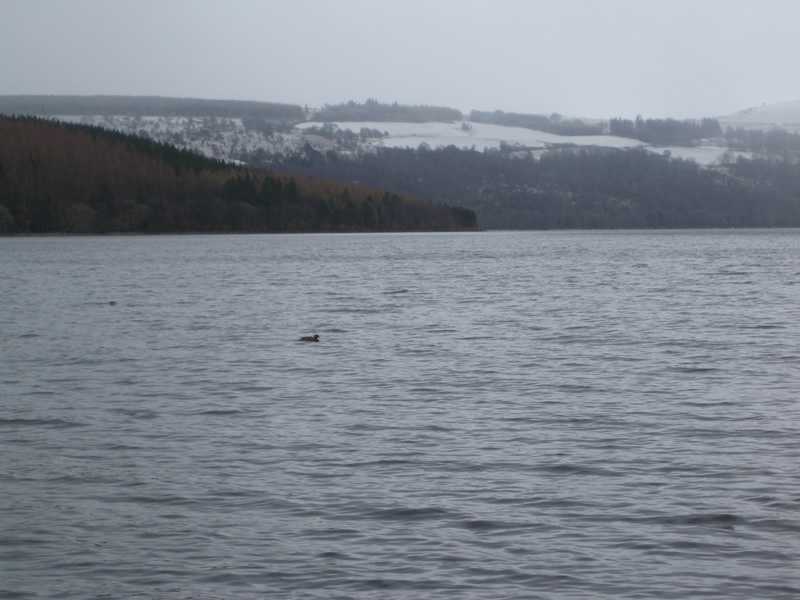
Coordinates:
[479,135]
[216,137]
[231,139]
[483,136]
[783,115]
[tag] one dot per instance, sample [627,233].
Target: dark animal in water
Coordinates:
[310,338]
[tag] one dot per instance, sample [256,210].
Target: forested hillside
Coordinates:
[666,132]
[551,123]
[579,188]
[56,177]
[372,110]
[772,143]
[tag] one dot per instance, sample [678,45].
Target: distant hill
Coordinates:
[783,115]
[57,177]
[578,187]
[262,133]
[86,173]
[148,106]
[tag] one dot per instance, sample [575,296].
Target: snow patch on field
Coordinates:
[229,139]
[481,136]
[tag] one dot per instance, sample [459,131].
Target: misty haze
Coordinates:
[399,300]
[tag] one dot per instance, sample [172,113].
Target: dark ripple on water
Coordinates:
[532,415]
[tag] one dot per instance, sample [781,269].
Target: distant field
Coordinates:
[484,136]
[480,135]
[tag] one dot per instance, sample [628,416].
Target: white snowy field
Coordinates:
[479,135]
[482,136]
[229,139]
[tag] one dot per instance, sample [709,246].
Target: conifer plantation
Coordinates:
[64,178]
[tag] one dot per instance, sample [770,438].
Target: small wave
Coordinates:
[382,462]
[393,292]
[695,369]
[417,351]
[723,519]
[355,311]
[331,533]
[410,514]
[708,403]
[134,413]
[519,419]
[167,499]
[219,412]
[777,503]
[719,519]
[726,273]
[576,469]
[118,447]
[575,388]
[434,427]
[255,388]
[82,479]
[776,524]
[224,577]
[491,525]
[333,555]
[379,584]
[326,474]
[778,588]
[685,544]
[51,423]
[424,390]
[12,541]
[13,594]
[370,427]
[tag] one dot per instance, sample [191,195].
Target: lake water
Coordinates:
[555,415]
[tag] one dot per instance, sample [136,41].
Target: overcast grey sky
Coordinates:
[579,57]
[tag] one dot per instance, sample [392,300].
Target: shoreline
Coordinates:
[163,233]
[404,231]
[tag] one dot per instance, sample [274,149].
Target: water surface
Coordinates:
[490,415]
